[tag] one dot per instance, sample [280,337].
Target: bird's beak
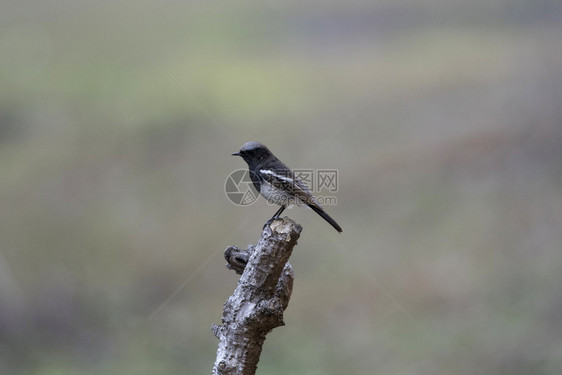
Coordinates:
[236,154]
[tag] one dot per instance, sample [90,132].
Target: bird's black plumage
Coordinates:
[277,183]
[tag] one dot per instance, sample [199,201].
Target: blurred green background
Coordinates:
[444,119]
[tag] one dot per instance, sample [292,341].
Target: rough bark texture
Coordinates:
[262,294]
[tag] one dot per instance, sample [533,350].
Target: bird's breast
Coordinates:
[277,196]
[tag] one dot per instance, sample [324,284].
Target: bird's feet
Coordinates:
[267,223]
[275,216]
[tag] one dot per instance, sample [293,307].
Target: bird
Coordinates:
[277,183]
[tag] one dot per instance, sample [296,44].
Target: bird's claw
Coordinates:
[267,223]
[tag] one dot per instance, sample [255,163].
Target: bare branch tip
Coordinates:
[285,226]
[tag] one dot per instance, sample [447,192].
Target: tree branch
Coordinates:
[262,294]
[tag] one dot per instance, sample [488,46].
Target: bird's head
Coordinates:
[253,152]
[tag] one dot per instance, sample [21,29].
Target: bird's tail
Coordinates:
[325,216]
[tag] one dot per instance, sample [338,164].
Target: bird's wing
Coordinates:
[286,181]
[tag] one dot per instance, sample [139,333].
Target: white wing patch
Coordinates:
[283,178]
[296,195]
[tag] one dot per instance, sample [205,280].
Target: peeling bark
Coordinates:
[262,294]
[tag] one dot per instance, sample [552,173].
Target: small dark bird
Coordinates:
[277,183]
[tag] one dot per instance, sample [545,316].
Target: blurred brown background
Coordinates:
[444,119]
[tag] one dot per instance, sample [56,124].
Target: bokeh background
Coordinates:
[443,118]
